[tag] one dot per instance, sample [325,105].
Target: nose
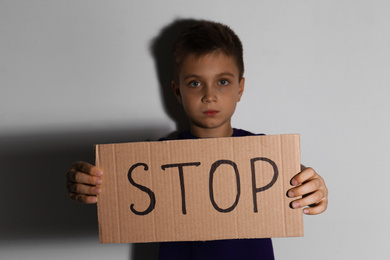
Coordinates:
[208,95]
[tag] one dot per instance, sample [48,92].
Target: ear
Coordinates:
[176,91]
[241,88]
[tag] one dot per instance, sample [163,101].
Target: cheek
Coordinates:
[188,101]
[234,99]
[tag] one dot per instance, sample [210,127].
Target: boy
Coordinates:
[208,82]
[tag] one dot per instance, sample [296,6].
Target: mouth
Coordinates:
[210,112]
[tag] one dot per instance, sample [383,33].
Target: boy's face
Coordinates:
[209,88]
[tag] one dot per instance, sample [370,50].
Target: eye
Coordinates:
[224,82]
[194,84]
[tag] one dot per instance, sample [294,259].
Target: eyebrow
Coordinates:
[218,75]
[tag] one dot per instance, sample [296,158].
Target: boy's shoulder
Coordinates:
[242,132]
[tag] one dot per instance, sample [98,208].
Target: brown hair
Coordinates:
[205,37]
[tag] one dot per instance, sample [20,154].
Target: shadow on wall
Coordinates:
[161,49]
[34,198]
[33,184]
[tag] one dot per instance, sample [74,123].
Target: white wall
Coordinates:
[75,73]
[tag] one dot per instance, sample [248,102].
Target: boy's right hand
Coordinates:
[83,181]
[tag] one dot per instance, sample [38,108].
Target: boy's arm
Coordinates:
[311,186]
[83,180]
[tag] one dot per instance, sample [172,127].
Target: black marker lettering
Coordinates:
[266,187]
[183,193]
[211,189]
[144,189]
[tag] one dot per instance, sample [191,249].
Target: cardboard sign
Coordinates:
[205,189]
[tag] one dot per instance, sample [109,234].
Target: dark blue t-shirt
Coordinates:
[231,249]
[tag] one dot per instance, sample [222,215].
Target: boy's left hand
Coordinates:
[312,188]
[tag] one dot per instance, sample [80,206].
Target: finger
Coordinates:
[83,189]
[83,198]
[80,177]
[303,176]
[317,208]
[311,199]
[305,188]
[86,168]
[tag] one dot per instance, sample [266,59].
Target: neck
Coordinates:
[211,132]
